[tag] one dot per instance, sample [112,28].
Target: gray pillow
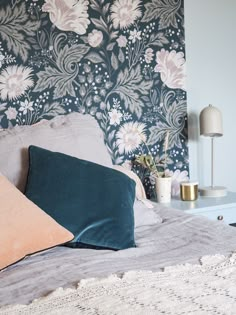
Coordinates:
[74,134]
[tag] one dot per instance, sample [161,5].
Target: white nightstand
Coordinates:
[222,208]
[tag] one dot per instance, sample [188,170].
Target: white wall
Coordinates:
[210,32]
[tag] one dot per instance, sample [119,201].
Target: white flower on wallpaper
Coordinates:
[26,106]
[11,113]
[122,41]
[171,66]
[148,55]
[15,81]
[177,177]
[95,38]
[68,15]
[135,35]
[130,136]
[125,12]
[115,117]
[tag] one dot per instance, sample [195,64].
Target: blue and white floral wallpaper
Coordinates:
[121,61]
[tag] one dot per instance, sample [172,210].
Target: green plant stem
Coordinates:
[153,161]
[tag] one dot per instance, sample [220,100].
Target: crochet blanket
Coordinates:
[208,288]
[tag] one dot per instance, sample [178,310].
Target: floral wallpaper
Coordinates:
[121,61]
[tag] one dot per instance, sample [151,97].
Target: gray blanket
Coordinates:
[179,239]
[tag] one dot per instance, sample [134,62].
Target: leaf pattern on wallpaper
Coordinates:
[53,109]
[62,77]
[112,146]
[164,10]
[15,28]
[114,61]
[174,123]
[94,57]
[158,39]
[100,24]
[129,86]
[3,107]
[104,22]
[121,56]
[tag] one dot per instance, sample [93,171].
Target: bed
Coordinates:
[180,264]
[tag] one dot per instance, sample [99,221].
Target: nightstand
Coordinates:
[221,208]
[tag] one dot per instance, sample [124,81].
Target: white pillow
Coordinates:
[74,134]
[139,190]
[143,212]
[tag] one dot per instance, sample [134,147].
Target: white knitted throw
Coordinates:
[209,288]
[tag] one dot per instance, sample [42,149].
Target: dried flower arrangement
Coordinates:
[157,168]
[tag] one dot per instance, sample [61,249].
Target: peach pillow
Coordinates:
[24,227]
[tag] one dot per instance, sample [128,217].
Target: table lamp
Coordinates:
[211,126]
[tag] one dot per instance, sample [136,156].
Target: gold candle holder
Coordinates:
[189,191]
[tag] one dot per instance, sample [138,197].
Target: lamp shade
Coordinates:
[211,122]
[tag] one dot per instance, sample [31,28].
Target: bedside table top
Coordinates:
[204,203]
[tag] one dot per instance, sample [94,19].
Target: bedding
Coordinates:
[164,238]
[180,238]
[92,201]
[204,289]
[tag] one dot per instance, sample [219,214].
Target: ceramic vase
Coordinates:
[163,189]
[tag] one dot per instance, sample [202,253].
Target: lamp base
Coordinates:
[216,191]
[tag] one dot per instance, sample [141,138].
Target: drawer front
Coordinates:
[227,215]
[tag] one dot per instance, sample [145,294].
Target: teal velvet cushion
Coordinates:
[94,202]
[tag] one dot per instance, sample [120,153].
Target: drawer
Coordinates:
[226,215]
